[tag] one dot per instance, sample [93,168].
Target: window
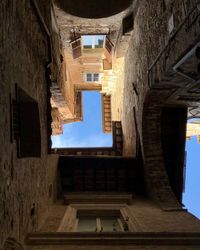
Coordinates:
[89,77]
[128,24]
[99,224]
[92,77]
[26,125]
[86,217]
[96,77]
[101,221]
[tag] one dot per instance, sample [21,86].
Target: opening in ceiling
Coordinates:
[93,9]
[88,133]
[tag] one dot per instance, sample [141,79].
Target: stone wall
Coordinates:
[144,217]
[26,184]
[150,39]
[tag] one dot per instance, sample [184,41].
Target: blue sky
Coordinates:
[191,197]
[88,133]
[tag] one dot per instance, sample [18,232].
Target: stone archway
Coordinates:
[12,244]
[157,178]
[173,81]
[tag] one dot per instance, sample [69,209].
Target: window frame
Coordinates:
[69,222]
[92,74]
[100,224]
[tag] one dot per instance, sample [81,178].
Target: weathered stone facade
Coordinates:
[163,41]
[24,182]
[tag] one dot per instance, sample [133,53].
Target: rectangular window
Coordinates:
[96,77]
[26,125]
[89,77]
[86,224]
[84,217]
[127,24]
[101,221]
[110,224]
[92,77]
[99,224]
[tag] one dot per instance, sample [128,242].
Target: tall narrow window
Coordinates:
[128,24]
[26,125]
[96,77]
[89,77]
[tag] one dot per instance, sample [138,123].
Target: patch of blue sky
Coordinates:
[88,133]
[191,196]
[91,39]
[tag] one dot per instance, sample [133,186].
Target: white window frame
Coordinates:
[92,77]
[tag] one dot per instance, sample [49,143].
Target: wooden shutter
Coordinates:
[78,106]
[108,49]
[76,48]
[106,113]
[106,64]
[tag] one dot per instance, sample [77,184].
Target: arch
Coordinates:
[12,244]
[154,163]
[93,9]
[169,87]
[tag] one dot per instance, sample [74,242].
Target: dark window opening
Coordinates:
[26,125]
[128,24]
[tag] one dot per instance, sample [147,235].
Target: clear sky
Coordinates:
[89,134]
[191,197]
